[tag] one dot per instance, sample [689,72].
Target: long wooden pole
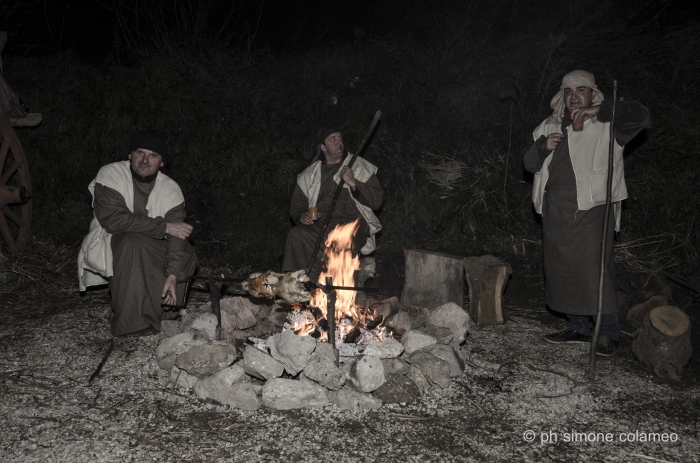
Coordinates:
[339,188]
[604,241]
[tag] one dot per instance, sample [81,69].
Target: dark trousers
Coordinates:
[609,325]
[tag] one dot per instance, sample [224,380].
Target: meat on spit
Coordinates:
[290,287]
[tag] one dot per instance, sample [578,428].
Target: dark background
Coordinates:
[240,87]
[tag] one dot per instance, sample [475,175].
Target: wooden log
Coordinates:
[663,343]
[639,312]
[486,277]
[432,279]
[669,320]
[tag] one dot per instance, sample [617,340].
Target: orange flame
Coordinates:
[341,266]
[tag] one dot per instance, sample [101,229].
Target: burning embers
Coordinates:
[353,324]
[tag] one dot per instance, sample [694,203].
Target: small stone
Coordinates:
[400,322]
[169,348]
[228,387]
[245,318]
[292,350]
[448,354]
[417,341]
[321,367]
[436,370]
[170,327]
[261,365]
[442,334]
[419,379]
[451,316]
[201,324]
[417,315]
[278,314]
[242,308]
[397,389]
[288,394]
[395,366]
[367,374]
[348,399]
[264,311]
[385,349]
[263,327]
[182,378]
[229,324]
[207,359]
[346,350]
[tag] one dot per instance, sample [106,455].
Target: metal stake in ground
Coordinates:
[330,310]
[604,241]
[339,188]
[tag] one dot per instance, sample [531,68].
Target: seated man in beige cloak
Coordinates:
[316,186]
[137,240]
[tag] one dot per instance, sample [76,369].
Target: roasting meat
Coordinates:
[288,286]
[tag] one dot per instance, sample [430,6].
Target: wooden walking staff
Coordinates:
[339,188]
[604,240]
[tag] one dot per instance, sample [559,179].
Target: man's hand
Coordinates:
[347,176]
[552,141]
[169,294]
[306,219]
[178,229]
[584,113]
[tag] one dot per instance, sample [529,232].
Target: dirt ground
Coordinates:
[520,399]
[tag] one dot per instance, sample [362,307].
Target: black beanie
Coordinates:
[322,134]
[149,141]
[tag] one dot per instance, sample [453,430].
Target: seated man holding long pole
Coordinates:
[314,192]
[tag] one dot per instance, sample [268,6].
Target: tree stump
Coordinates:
[663,343]
[486,277]
[432,279]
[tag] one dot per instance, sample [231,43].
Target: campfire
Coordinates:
[353,324]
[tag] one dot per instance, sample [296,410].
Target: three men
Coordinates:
[316,185]
[571,172]
[137,240]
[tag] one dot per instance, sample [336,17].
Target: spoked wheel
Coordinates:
[15,191]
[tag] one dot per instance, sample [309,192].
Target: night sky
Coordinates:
[88,28]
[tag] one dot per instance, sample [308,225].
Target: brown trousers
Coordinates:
[137,284]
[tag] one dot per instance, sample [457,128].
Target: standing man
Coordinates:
[316,185]
[571,172]
[137,240]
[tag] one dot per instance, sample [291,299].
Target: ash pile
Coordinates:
[257,362]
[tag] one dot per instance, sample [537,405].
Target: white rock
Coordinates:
[436,371]
[244,310]
[395,366]
[348,399]
[170,327]
[261,365]
[207,359]
[451,316]
[388,348]
[182,378]
[292,350]
[169,348]
[200,323]
[367,374]
[448,354]
[417,341]
[228,387]
[321,367]
[288,394]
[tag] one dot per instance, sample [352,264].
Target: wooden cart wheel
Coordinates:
[15,191]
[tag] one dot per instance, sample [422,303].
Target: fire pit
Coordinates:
[326,350]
